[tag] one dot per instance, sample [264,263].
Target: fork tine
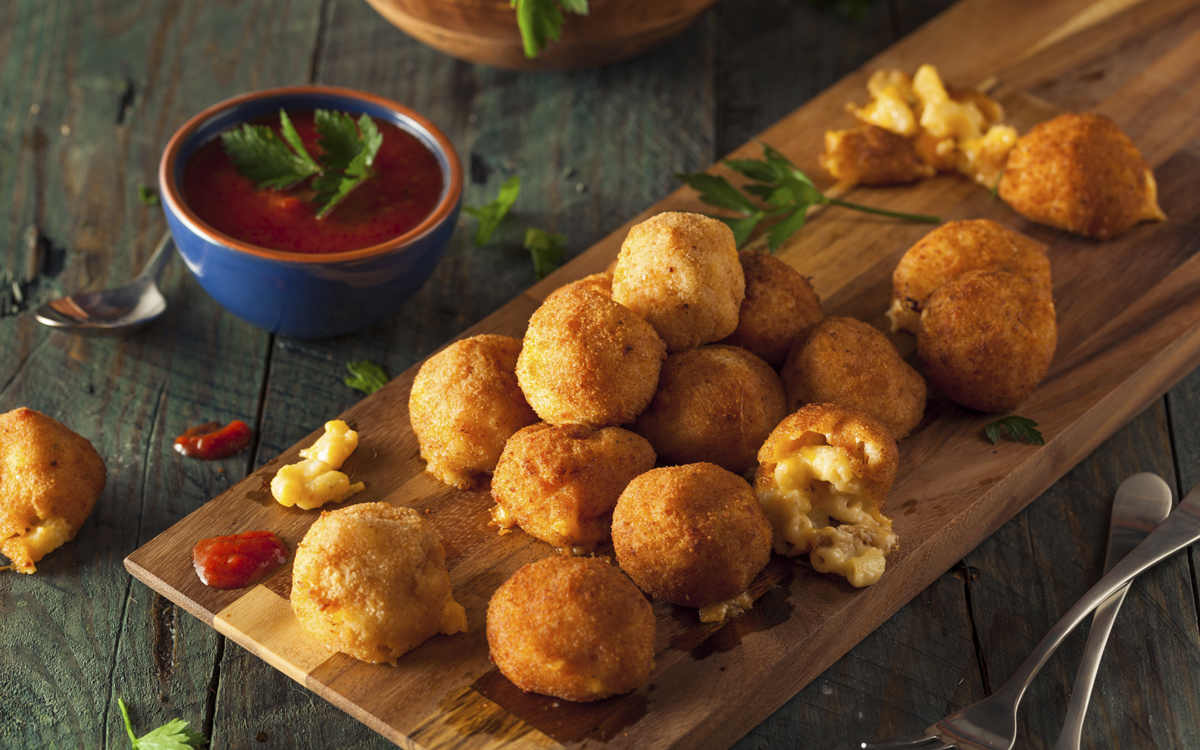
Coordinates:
[919,741]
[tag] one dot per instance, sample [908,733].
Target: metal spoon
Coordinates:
[113,310]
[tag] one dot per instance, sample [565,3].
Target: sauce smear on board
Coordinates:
[210,441]
[239,560]
[405,189]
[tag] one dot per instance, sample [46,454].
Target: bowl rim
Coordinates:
[173,197]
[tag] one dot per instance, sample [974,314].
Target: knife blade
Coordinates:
[1142,502]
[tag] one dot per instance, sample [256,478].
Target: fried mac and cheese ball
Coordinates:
[1080,173]
[849,362]
[370,581]
[464,406]
[871,155]
[779,305]
[822,479]
[953,249]
[715,404]
[693,535]
[601,283]
[987,339]
[571,627]
[50,479]
[681,273]
[561,483]
[588,360]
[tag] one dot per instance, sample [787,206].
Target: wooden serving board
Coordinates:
[1129,328]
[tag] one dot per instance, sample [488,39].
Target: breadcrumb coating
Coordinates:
[779,305]
[987,339]
[370,581]
[560,484]
[681,273]
[464,406]
[571,627]
[50,479]
[849,362]
[1080,173]
[588,360]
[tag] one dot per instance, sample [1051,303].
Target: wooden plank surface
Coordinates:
[121,75]
[1124,339]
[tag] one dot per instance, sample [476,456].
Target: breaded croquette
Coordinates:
[870,155]
[694,535]
[953,249]
[779,305]
[560,484]
[715,404]
[681,273]
[823,477]
[849,362]
[600,283]
[571,627]
[1080,173]
[370,581]
[464,406]
[50,479]
[987,339]
[588,360]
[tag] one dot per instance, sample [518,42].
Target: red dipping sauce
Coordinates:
[210,441]
[238,561]
[407,186]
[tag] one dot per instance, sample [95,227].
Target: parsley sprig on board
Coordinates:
[1019,428]
[348,151]
[786,192]
[540,20]
[174,735]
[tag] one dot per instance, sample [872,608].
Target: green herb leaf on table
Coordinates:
[1019,428]
[546,248]
[174,735]
[540,20]
[491,214]
[787,192]
[366,376]
[147,195]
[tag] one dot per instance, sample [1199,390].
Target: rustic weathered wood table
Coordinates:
[89,95]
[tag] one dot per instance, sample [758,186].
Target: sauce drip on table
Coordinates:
[239,560]
[210,441]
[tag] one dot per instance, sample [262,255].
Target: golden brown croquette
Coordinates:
[871,155]
[681,273]
[715,404]
[50,479]
[953,249]
[779,305]
[987,339]
[370,581]
[588,360]
[693,535]
[1080,173]
[849,362]
[823,477]
[465,404]
[571,627]
[560,484]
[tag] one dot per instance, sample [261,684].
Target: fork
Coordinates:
[991,724]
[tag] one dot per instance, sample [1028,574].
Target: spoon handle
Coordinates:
[158,260]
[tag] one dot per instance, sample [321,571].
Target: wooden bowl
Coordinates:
[485,31]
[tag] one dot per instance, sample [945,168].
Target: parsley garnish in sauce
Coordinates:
[348,151]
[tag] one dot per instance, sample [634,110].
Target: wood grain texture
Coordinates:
[1124,339]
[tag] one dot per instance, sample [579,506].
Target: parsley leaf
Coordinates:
[174,735]
[540,20]
[147,195]
[545,248]
[261,155]
[1019,428]
[787,192]
[347,156]
[491,214]
[366,376]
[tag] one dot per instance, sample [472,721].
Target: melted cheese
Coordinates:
[817,506]
[721,611]
[316,480]
[43,538]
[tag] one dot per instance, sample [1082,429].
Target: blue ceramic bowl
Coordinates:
[300,294]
